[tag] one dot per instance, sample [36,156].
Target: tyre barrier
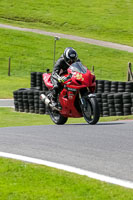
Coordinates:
[37,81]
[105,86]
[114,98]
[115,104]
[28,100]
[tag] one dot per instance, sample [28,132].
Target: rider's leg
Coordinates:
[55,91]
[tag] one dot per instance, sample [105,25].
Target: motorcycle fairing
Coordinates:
[67,100]
[47,80]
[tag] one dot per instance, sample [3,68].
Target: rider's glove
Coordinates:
[61,79]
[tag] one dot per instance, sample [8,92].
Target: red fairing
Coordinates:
[82,80]
[47,81]
[67,100]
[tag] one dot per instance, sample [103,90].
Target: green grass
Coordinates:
[33,52]
[12,83]
[104,20]
[18,181]
[9,117]
[23,181]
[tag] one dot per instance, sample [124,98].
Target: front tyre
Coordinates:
[91,110]
[56,117]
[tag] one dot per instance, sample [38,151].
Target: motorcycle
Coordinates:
[76,99]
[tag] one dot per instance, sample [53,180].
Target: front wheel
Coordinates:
[91,110]
[56,117]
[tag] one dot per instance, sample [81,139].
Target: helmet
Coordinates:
[70,55]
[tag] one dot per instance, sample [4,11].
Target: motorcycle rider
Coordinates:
[60,68]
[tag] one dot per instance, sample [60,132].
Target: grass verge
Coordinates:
[19,181]
[8,118]
[104,20]
[33,52]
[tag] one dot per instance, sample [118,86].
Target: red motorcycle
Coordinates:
[76,99]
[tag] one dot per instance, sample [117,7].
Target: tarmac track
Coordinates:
[105,148]
[6,102]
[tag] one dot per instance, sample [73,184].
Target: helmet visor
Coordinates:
[72,60]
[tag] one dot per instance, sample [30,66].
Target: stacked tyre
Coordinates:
[15,96]
[121,86]
[36,101]
[36,80]
[111,105]
[118,104]
[114,87]
[100,86]
[129,87]
[33,79]
[99,99]
[132,103]
[107,86]
[127,104]
[105,107]
[20,101]
[31,100]
[96,86]
[39,80]
[25,101]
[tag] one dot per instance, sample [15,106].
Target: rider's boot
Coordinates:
[54,102]
[54,97]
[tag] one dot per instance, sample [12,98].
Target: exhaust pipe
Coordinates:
[47,102]
[44,99]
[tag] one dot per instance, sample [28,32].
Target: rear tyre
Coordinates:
[91,113]
[56,117]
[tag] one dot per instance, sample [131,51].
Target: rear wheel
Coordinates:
[56,117]
[91,111]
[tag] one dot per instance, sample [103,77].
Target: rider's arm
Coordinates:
[60,67]
[78,60]
[57,68]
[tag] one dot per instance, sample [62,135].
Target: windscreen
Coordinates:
[78,67]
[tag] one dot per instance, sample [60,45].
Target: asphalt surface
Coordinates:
[105,148]
[72,37]
[6,103]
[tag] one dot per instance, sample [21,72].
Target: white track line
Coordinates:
[100,177]
[6,99]
[6,106]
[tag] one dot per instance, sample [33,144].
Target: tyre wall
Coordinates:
[114,98]
[27,100]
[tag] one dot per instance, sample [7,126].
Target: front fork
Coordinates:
[83,101]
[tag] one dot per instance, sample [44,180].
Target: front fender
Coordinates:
[91,95]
